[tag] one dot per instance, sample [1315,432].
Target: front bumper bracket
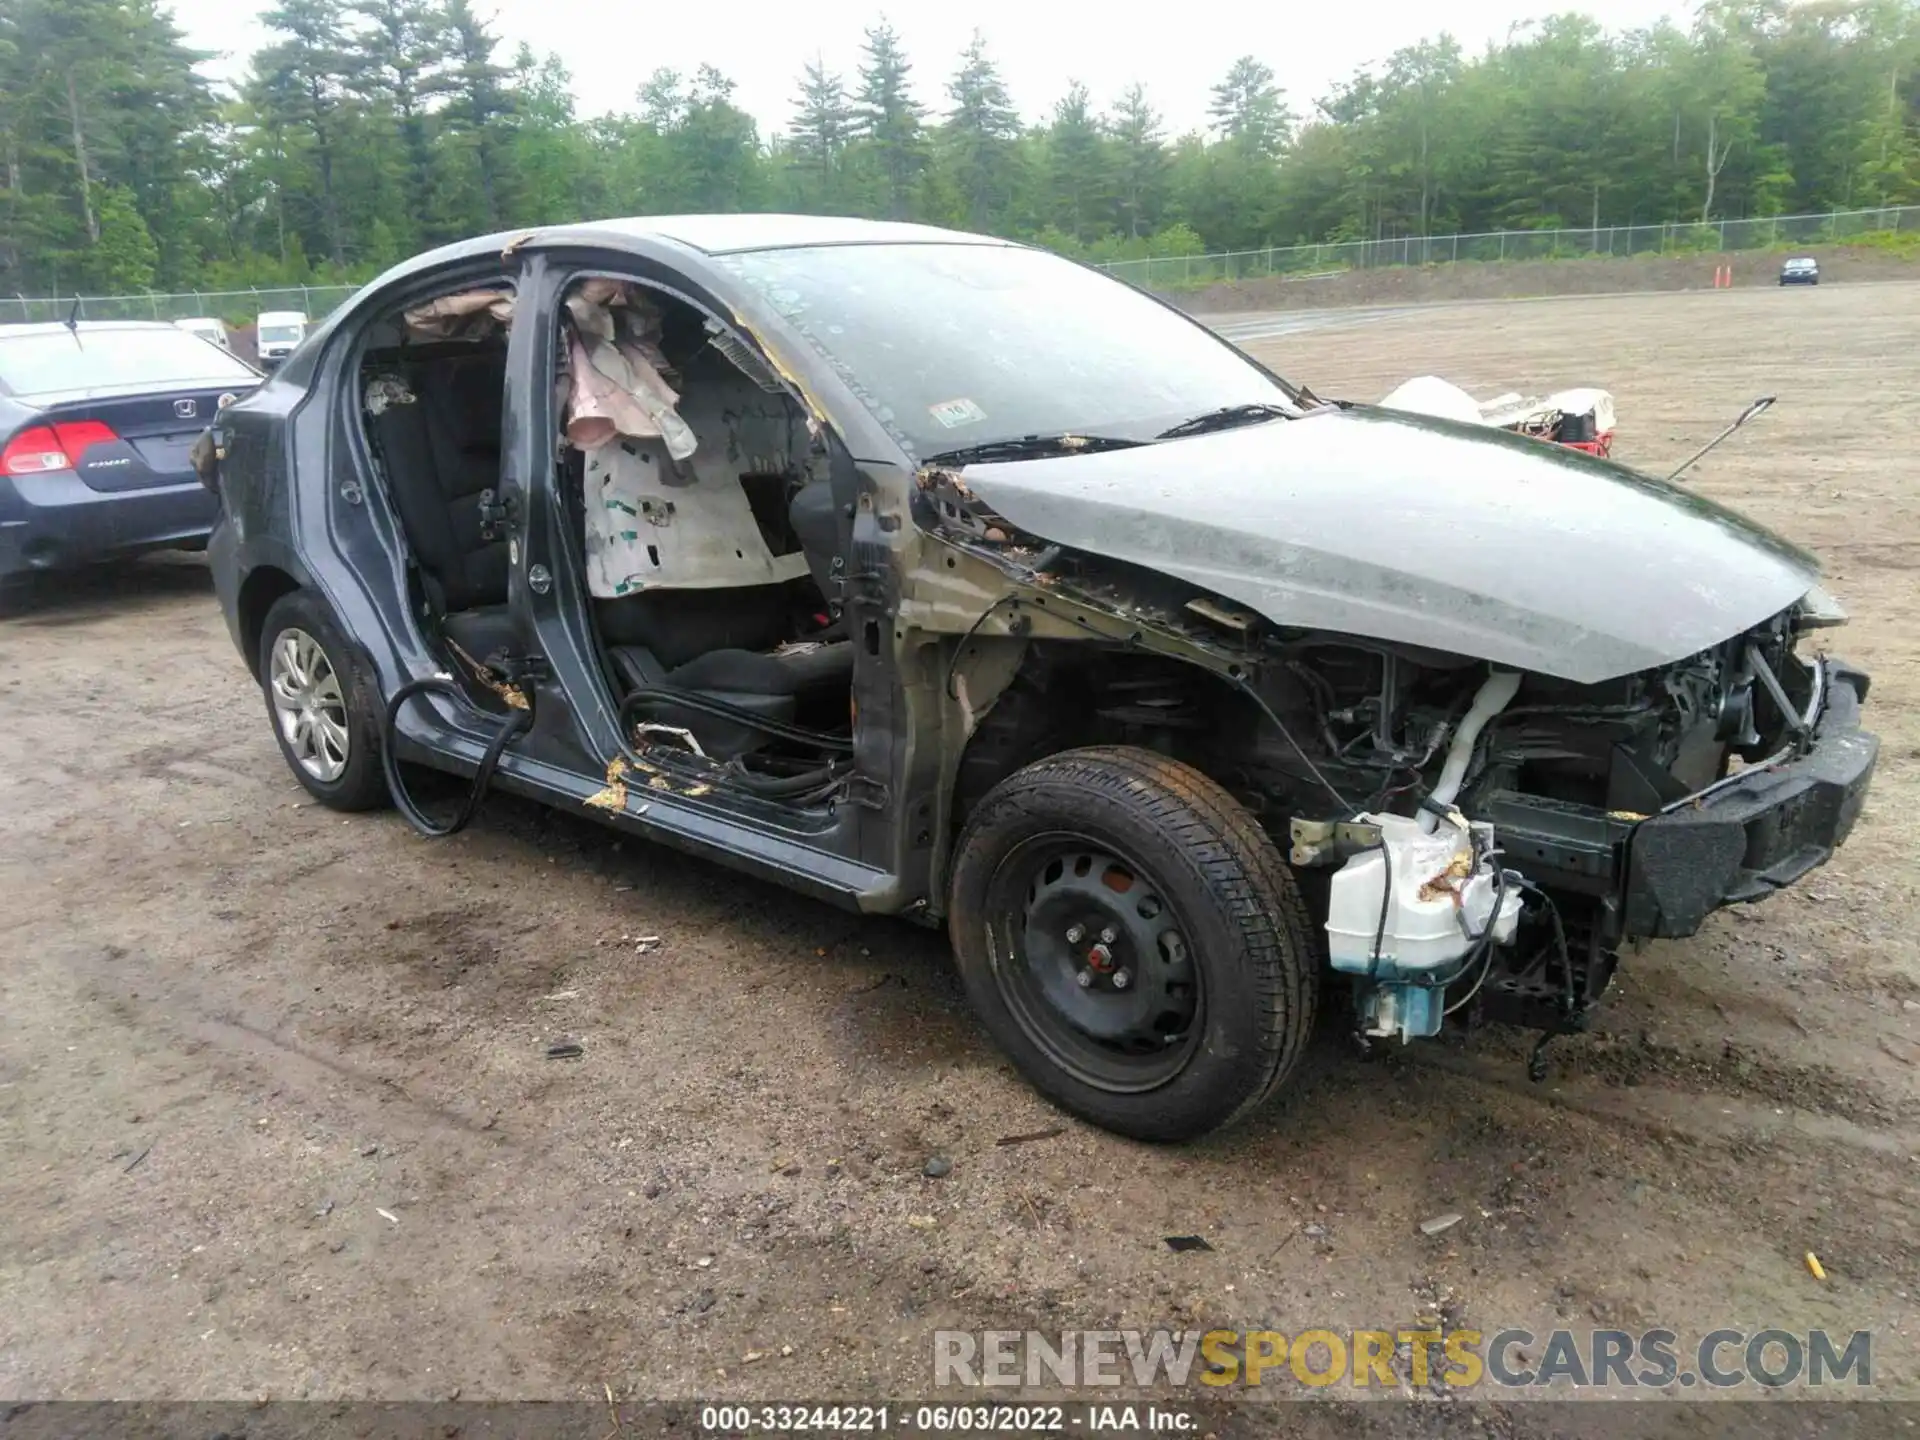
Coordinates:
[1758,833]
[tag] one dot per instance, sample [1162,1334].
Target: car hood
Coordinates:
[1406,528]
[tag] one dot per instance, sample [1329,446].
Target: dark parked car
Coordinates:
[937,576]
[1802,270]
[97,420]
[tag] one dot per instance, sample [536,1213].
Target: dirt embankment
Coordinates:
[1518,279]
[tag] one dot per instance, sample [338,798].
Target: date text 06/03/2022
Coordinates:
[948,1418]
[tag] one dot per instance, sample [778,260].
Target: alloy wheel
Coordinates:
[308,705]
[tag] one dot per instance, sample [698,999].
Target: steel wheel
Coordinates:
[308,705]
[1093,963]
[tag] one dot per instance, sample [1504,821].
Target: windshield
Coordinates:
[954,346]
[279,334]
[51,361]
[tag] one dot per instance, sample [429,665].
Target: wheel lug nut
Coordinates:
[1109,935]
[1121,979]
[1083,979]
[1075,934]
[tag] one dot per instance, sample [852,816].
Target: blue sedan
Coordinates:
[96,424]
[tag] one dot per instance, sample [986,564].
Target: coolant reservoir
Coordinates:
[1438,898]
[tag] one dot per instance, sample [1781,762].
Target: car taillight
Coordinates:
[41,448]
[32,451]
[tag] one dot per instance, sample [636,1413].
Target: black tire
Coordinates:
[360,784]
[1239,932]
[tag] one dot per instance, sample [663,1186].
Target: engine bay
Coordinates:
[1465,829]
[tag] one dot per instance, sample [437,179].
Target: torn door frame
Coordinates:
[975,594]
[1025,601]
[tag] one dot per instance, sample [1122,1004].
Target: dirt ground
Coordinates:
[1512,279]
[276,1118]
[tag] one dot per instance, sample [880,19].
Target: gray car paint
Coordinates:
[1403,528]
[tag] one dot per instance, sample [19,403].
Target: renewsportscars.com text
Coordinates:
[1512,1359]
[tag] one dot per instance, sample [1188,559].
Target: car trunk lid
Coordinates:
[135,442]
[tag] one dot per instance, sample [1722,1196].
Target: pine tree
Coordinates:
[823,123]
[1249,110]
[1140,164]
[1079,172]
[888,119]
[480,101]
[400,60]
[981,136]
[301,83]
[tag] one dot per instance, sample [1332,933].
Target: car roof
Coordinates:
[731,234]
[702,234]
[85,327]
[280,315]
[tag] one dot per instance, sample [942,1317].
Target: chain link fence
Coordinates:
[237,307]
[1171,272]
[1300,261]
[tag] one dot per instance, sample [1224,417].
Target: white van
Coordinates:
[277,333]
[209,329]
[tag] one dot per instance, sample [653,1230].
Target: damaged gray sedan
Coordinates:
[937,576]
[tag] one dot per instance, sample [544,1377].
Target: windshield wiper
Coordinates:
[1031,447]
[1225,418]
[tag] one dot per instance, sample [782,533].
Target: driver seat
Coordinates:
[771,684]
[731,645]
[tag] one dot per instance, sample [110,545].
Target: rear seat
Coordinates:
[441,450]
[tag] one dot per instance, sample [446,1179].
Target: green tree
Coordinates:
[981,137]
[92,93]
[1079,171]
[125,257]
[1414,123]
[823,125]
[716,147]
[1249,110]
[1727,86]
[300,88]
[1226,192]
[367,128]
[1139,161]
[399,59]
[477,111]
[557,175]
[888,121]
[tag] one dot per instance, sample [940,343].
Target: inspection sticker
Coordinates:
[952,413]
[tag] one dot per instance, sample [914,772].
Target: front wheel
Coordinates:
[1133,940]
[321,707]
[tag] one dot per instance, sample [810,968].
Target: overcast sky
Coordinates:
[1177,50]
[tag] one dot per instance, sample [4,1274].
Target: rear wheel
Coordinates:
[1134,942]
[321,707]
